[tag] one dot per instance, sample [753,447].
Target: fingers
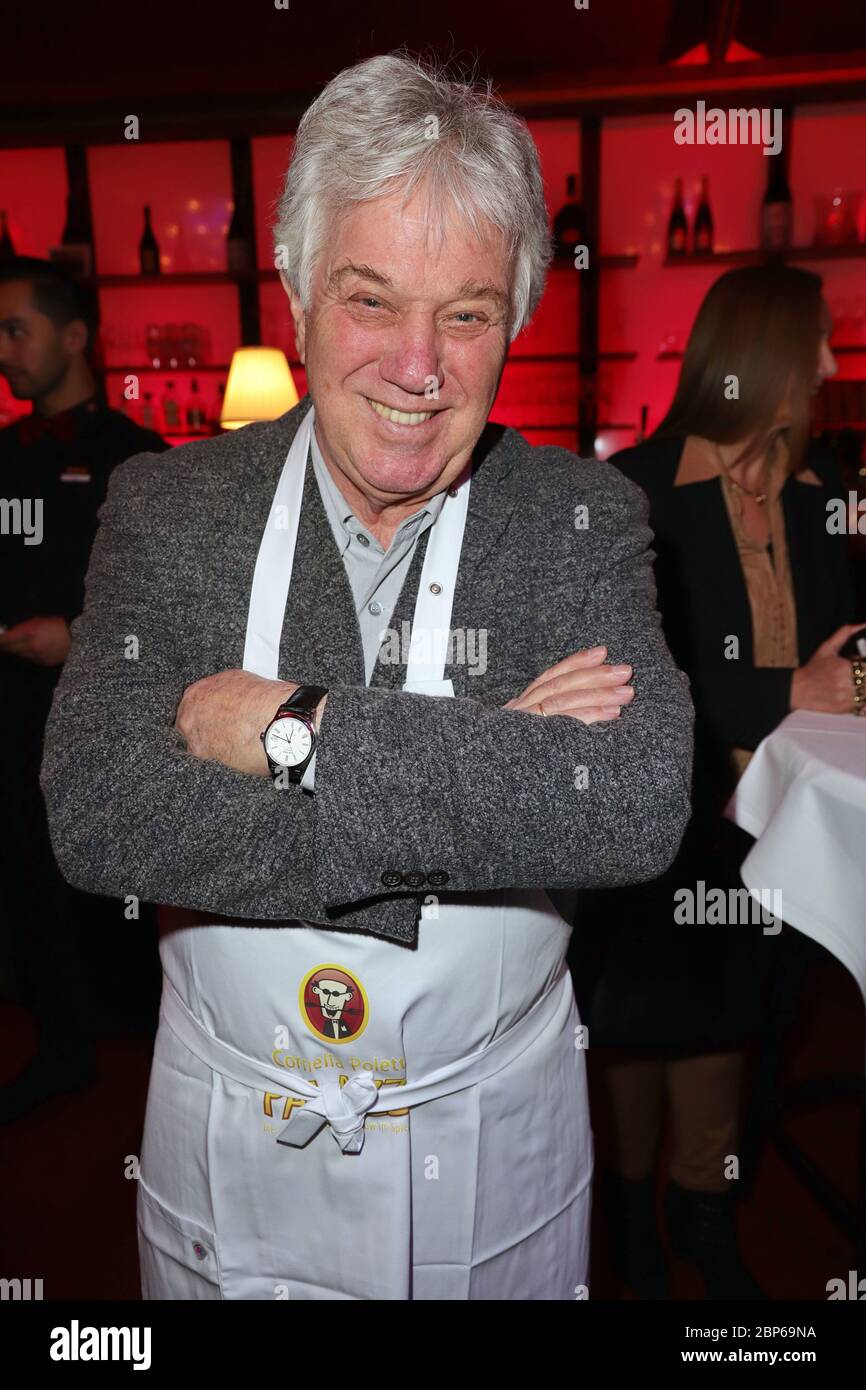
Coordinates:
[590,659]
[602,680]
[831,645]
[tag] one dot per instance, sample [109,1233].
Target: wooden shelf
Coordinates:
[163,282]
[755,256]
[568,425]
[569,357]
[142,368]
[842,350]
[626,261]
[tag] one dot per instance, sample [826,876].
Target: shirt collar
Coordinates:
[63,427]
[698,466]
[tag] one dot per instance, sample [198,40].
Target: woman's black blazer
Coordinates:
[703,600]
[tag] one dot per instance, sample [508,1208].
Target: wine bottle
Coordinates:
[703,228]
[776,209]
[568,225]
[7,250]
[238,247]
[148,413]
[76,243]
[170,408]
[677,225]
[195,418]
[148,248]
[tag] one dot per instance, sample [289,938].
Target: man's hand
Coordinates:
[222,717]
[44,641]
[581,686]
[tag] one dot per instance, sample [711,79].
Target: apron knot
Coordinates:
[345,1108]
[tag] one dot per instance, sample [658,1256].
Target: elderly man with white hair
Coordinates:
[369,1076]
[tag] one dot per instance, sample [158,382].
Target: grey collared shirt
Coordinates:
[375,575]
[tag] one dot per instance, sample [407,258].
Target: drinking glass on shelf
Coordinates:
[155,346]
[835,218]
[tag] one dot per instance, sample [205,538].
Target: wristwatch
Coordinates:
[290,738]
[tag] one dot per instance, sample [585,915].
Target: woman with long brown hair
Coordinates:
[756,599]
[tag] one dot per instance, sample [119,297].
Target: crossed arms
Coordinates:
[496,797]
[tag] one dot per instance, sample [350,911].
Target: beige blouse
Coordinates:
[766,568]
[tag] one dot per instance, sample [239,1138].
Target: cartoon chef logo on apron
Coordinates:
[334,1004]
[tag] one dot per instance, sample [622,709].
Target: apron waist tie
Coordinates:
[345,1108]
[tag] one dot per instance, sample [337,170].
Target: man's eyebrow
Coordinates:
[470,289]
[364,272]
[14,322]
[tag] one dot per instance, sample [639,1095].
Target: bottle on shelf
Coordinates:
[776,209]
[131,407]
[218,407]
[239,250]
[677,225]
[76,243]
[171,409]
[195,416]
[148,248]
[148,411]
[569,226]
[703,229]
[7,250]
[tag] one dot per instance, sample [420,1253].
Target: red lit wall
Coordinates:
[645,312]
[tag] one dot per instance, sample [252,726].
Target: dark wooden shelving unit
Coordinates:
[755,256]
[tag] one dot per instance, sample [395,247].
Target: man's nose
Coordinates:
[412,362]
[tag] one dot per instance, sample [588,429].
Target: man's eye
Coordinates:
[368,301]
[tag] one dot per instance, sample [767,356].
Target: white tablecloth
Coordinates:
[803,797]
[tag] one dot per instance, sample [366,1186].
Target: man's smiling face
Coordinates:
[398,314]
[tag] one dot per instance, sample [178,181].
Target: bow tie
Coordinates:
[34,427]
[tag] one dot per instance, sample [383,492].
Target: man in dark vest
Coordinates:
[54,470]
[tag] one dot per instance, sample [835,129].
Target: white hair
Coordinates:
[393,123]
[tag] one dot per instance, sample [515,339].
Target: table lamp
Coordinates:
[260,387]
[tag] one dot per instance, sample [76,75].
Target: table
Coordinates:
[803,798]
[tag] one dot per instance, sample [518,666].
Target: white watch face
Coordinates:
[288,741]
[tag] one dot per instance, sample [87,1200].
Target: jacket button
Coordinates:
[200,1252]
[391,878]
[437,878]
[413,880]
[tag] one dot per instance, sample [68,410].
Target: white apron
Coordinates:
[333,1116]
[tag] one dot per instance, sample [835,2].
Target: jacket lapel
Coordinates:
[491,505]
[321,640]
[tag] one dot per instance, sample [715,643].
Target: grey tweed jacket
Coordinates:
[405,784]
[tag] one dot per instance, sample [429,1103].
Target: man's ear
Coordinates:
[297,314]
[75,336]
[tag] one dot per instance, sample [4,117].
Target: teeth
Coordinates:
[400,417]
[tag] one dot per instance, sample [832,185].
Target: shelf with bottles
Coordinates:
[627,260]
[566,357]
[838,350]
[756,255]
[180,410]
[835,229]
